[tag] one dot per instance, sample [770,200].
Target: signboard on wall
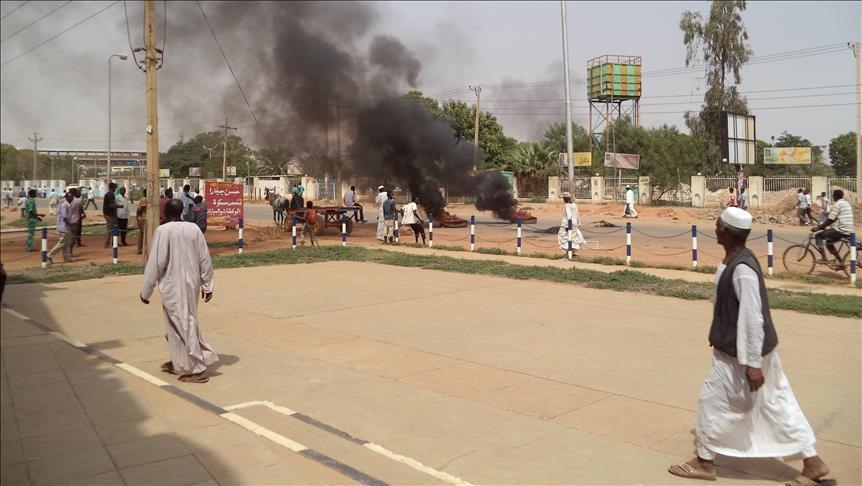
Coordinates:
[231,170]
[787,155]
[622,161]
[738,138]
[224,203]
[581,159]
[165,173]
[194,171]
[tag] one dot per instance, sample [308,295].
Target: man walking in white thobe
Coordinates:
[570,213]
[746,406]
[630,204]
[381,225]
[180,263]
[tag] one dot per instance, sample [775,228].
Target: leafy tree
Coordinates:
[192,153]
[493,143]
[275,161]
[430,103]
[555,138]
[669,158]
[720,42]
[842,154]
[10,166]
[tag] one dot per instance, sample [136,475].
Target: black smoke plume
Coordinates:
[309,75]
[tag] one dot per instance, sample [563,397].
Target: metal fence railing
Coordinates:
[779,188]
[615,187]
[847,183]
[580,187]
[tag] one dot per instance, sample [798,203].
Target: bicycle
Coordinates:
[801,258]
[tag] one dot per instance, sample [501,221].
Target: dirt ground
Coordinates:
[261,234]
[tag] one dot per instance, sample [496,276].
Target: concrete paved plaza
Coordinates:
[341,372]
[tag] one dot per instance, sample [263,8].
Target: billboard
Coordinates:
[787,155]
[231,170]
[194,171]
[738,138]
[581,159]
[622,161]
[165,173]
[224,203]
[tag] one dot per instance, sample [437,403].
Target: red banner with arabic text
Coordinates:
[224,203]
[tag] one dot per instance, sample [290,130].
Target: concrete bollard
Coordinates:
[518,249]
[395,231]
[472,233]
[293,232]
[769,252]
[239,236]
[430,230]
[343,230]
[570,252]
[853,263]
[694,247]
[45,247]
[116,234]
[628,243]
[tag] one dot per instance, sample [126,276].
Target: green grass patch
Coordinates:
[22,223]
[625,280]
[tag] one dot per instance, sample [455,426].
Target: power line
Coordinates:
[14,9]
[22,29]
[753,109]
[498,101]
[238,85]
[67,29]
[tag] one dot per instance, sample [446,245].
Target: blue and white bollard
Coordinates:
[343,230]
[293,232]
[694,247]
[853,255]
[44,247]
[472,233]
[240,243]
[769,252]
[116,234]
[518,249]
[628,243]
[430,230]
[570,251]
[395,231]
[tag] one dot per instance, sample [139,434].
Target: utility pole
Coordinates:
[152,130]
[478,91]
[569,149]
[857,52]
[224,150]
[35,141]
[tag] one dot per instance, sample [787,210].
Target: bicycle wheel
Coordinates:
[845,258]
[798,259]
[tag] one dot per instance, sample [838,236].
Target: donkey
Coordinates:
[279,206]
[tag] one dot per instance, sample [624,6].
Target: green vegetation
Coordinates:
[625,280]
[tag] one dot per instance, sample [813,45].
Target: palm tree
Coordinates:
[533,163]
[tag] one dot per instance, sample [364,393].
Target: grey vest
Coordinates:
[722,333]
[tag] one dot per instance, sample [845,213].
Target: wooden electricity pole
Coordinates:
[150,61]
[224,150]
[35,141]
[478,91]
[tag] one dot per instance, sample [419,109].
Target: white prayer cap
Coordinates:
[738,218]
[379,188]
[567,194]
[628,186]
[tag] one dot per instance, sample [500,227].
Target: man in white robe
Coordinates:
[570,212]
[381,225]
[180,263]
[746,406]
[630,211]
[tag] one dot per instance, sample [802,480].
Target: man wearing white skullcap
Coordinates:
[746,407]
[381,225]
[570,213]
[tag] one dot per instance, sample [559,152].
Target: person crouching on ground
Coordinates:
[180,263]
[746,406]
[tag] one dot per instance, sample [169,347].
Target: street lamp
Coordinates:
[122,57]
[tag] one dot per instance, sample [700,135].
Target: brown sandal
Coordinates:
[168,367]
[195,378]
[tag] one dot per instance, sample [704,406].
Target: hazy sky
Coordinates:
[60,88]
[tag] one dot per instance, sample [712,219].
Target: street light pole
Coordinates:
[122,57]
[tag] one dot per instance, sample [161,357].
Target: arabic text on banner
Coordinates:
[224,203]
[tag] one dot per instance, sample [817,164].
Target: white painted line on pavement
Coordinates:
[141,374]
[264,432]
[443,476]
[16,314]
[408,461]
[67,339]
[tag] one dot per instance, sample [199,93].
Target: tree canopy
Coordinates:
[720,42]
[842,154]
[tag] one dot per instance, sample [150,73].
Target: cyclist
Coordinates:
[841,216]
